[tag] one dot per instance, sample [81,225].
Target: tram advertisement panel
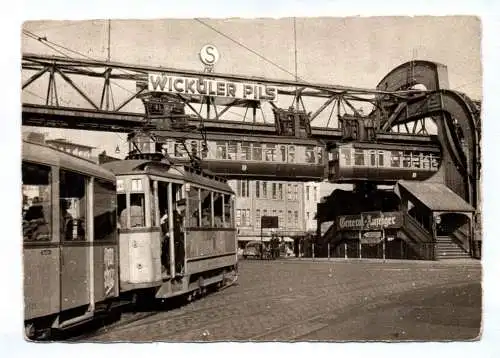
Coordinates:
[216,88]
[370,221]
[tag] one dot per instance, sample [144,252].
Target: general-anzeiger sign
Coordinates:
[216,88]
[370,221]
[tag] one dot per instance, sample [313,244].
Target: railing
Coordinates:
[419,233]
[461,238]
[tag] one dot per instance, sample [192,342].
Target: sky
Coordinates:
[351,51]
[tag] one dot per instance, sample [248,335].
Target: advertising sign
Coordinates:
[370,221]
[269,222]
[216,88]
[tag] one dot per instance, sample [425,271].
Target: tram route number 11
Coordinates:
[109,270]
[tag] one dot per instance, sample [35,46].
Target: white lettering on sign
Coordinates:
[109,270]
[368,221]
[215,88]
[345,223]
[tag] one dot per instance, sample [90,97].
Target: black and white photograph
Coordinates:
[270,179]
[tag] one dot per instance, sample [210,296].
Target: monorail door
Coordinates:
[74,214]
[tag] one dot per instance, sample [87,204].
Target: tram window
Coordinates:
[228,211]
[291,154]
[137,208]
[104,210]
[346,154]
[395,159]
[359,157]
[406,160]
[283,153]
[280,191]
[245,151]
[206,208]
[257,151]
[232,149]
[193,208]
[221,150]
[310,157]
[270,153]
[122,204]
[73,205]
[37,213]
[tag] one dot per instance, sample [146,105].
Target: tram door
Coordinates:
[75,255]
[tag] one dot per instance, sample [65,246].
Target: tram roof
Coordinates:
[164,169]
[45,154]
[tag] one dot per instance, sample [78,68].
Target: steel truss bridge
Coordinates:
[114,97]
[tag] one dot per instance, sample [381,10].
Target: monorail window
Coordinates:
[280,191]
[359,157]
[178,149]
[415,160]
[270,153]
[283,153]
[257,151]
[73,205]
[425,162]
[406,160]
[206,208]
[37,203]
[380,159]
[395,159]
[104,210]
[291,154]
[231,151]
[310,157]
[221,150]
[246,154]
[434,161]
[193,217]
[346,155]
[373,158]
[194,148]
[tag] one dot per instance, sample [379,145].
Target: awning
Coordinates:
[435,196]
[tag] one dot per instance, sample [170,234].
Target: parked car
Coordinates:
[255,249]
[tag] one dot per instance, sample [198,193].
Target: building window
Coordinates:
[380,159]
[274,212]
[289,217]
[296,218]
[280,191]
[245,151]
[257,218]
[307,216]
[264,212]
[238,217]
[280,219]
[257,189]
[289,191]
[264,189]
[295,192]
[274,191]
[257,151]
[245,192]
[315,189]
[307,192]
[221,150]
[244,217]
[194,148]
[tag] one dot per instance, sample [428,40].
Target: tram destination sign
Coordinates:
[370,221]
[213,88]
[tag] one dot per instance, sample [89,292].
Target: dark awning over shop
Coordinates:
[435,196]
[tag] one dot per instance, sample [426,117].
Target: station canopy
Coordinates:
[435,196]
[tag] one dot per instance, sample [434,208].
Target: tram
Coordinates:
[132,230]
[176,228]
[382,163]
[70,247]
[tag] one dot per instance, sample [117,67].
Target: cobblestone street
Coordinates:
[337,300]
